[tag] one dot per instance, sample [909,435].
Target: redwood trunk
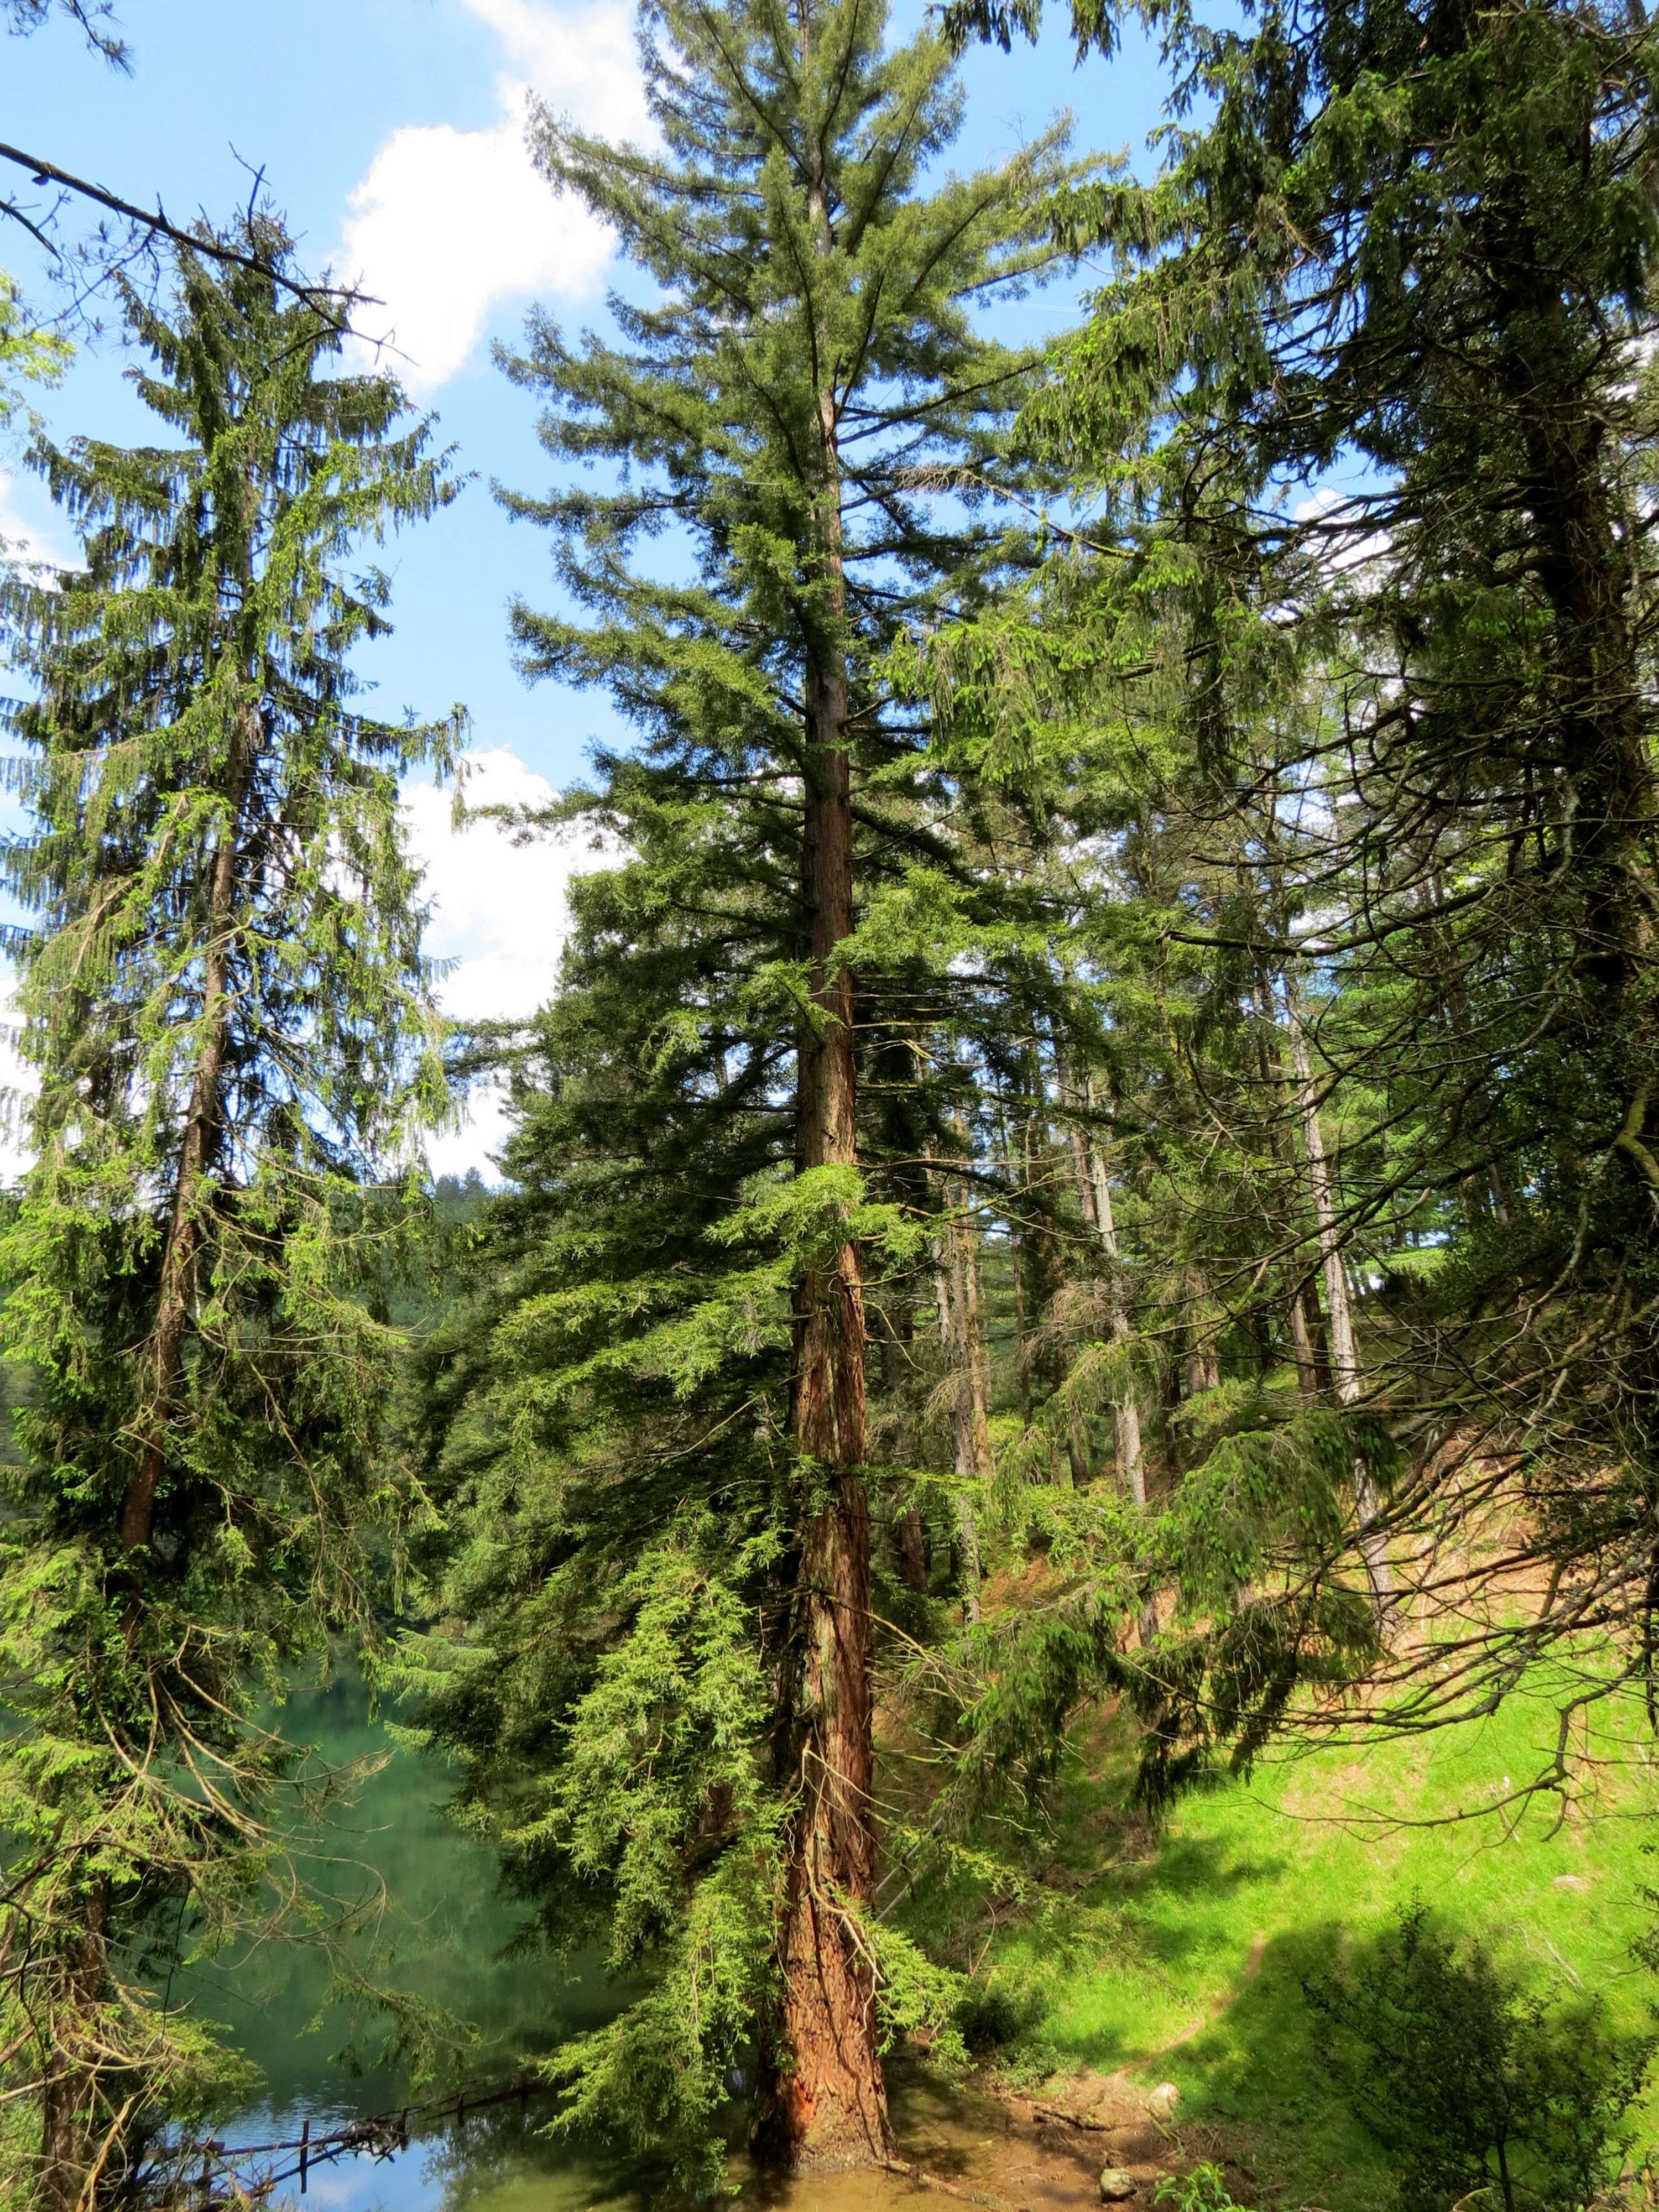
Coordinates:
[827,2102]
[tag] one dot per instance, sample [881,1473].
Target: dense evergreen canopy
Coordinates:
[1409,257]
[224,995]
[650,1428]
[1093,1142]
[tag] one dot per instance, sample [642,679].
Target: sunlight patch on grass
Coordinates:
[1181,1955]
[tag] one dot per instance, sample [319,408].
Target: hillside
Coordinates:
[1179,1955]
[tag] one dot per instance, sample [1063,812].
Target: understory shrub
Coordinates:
[1468,2080]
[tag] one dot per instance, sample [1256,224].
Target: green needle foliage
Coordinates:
[226,999]
[28,355]
[649,1432]
[1390,856]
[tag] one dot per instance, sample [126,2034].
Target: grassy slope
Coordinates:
[1180,1956]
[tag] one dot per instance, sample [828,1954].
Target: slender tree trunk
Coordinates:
[1305,1339]
[1038,1248]
[1095,1197]
[910,1540]
[1302,1350]
[164,1354]
[827,2102]
[1069,1101]
[1338,1311]
[1201,1360]
[68,2099]
[1127,1406]
[1022,1358]
[1022,1348]
[962,1334]
[895,1335]
[971,1308]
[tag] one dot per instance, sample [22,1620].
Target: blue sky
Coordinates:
[391,133]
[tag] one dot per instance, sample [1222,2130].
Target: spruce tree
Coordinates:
[225,997]
[652,1430]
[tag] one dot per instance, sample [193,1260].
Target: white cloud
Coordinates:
[20,540]
[498,907]
[449,224]
[499,910]
[582,63]
[19,1081]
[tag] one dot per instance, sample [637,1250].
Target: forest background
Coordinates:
[1089,1158]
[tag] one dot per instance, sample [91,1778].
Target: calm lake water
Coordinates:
[441,1934]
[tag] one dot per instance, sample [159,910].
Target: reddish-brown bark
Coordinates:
[68,2091]
[825,2103]
[828,2104]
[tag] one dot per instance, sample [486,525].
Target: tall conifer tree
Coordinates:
[656,1420]
[225,999]
[1413,244]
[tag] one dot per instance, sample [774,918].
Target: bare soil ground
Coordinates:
[1044,2153]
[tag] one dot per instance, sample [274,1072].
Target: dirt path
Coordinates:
[1008,2154]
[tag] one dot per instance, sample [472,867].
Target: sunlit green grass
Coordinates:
[1180,1954]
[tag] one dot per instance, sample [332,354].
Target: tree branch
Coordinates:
[327,300]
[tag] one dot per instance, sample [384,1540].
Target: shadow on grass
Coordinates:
[1187,1865]
[1262,2064]
[1255,2081]
[1206,1873]
[1262,2051]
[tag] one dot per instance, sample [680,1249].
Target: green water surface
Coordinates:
[427,1916]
